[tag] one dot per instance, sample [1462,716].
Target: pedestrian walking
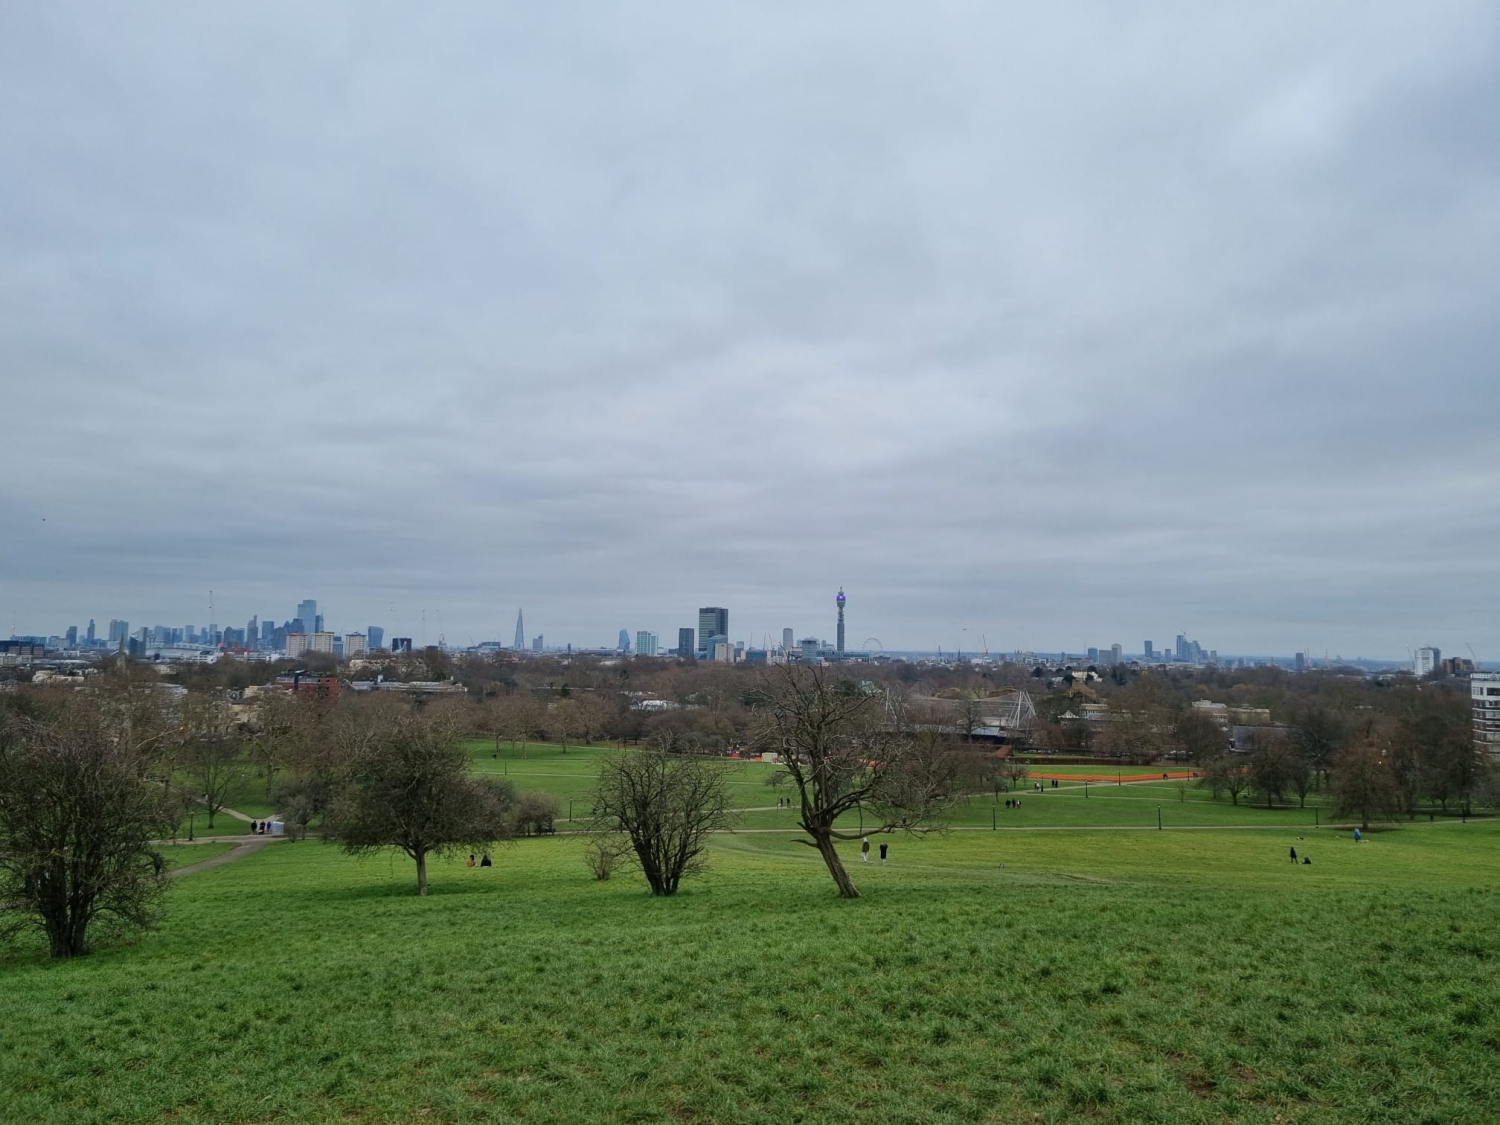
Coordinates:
[1357,836]
[864,851]
[1294,854]
[882,854]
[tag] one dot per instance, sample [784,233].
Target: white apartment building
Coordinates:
[645,643]
[355,645]
[1426,660]
[1484,693]
[298,643]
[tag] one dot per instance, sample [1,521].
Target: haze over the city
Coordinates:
[1056,326]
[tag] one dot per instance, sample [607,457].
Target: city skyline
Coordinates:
[1017,335]
[1181,647]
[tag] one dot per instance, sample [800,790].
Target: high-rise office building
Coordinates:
[252,633]
[520,633]
[625,640]
[840,600]
[118,631]
[307,613]
[1093,656]
[72,636]
[1183,652]
[713,621]
[645,642]
[685,644]
[787,644]
[1115,653]
[1150,651]
[536,643]
[1301,662]
[375,637]
[90,634]
[1426,660]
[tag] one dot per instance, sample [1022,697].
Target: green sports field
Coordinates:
[1070,973]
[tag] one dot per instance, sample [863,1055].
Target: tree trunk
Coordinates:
[421,873]
[830,855]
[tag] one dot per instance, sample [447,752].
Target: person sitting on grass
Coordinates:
[485,860]
[471,860]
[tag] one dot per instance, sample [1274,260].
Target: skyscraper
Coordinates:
[624,640]
[840,600]
[685,644]
[787,644]
[713,621]
[72,636]
[645,642]
[90,633]
[1150,651]
[520,633]
[307,613]
[376,636]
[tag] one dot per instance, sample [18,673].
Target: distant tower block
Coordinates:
[840,599]
[520,633]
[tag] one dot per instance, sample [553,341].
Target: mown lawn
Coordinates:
[985,976]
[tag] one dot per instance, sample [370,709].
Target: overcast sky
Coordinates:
[1053,325]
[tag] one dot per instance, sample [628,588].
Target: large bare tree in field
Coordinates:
[409,788]
[665,805]
[212,751]
[77,820]
[845,752]
[283,720]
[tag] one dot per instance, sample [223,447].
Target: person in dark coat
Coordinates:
[1294,853]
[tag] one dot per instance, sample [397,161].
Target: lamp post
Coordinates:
[190,828]
[1158,818]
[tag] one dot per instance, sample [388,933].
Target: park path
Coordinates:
[242,848]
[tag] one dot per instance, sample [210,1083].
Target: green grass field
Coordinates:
[1077,972]
[983,977]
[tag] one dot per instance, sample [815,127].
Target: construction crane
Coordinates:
[986,644]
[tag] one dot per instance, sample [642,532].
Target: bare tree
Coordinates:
[1226,773]
[1198,737]
[410,789]
[278,726]
[212,752]
[535,813]
[1013,769]
[666,805]
[77,820]
[1362,783]
[845,753]
[1270,764]
[605,851]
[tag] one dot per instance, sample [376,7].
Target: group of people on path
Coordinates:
[260,828]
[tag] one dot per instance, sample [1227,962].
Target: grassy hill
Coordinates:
[985,976]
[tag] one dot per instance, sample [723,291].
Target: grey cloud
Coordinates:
[1057,327]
